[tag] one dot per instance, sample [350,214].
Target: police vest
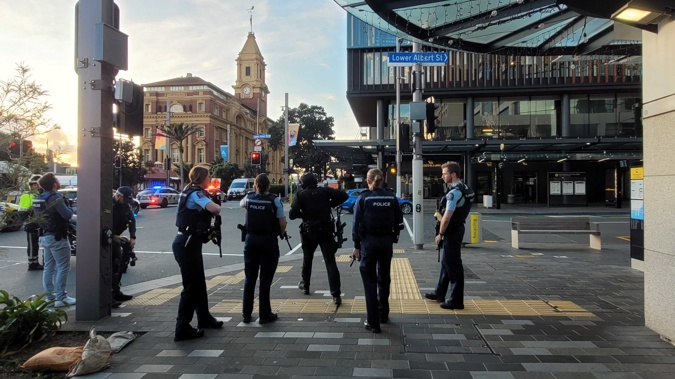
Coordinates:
[261,215]
[461,212]
[378,212]
[48,218]
[192,221]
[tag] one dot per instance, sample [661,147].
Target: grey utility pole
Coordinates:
[417,166]
[167,152]
[286,168]
[397,113]
[101,50]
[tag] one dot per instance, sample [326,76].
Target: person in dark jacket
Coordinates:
[53,217]
[265,221]
[193,219]
[313,205]
[377,222]
[123,218]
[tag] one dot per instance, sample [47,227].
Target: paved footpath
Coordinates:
[548,311]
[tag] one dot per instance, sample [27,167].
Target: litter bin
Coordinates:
[510,199]
[473,231]
[487,201]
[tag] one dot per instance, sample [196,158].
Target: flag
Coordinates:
[293,130]
[160,140]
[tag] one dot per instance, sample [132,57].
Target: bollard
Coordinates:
[473,231]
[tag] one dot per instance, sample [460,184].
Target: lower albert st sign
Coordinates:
[425,59]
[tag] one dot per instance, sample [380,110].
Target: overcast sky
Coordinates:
[303,42]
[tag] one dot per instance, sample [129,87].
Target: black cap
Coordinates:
[308,180]
[127,193]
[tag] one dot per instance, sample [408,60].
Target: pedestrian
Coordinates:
[265,220]
[454,207]
[313,205]
[123,218]
[193,219]
[26,215]
[54,217]
[377,222]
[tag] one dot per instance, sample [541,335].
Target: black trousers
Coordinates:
[452,270]
[261,255]
[33,247]
[116,266]
[193,298]
[376,255]
[328,250]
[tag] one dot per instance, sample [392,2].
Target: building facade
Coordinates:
[224,119]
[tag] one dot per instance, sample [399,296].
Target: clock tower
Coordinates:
[250,87]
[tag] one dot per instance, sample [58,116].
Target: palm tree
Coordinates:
[179,132]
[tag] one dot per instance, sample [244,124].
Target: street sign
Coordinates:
[258,136]
[258,142]
[425,59]
[257,148]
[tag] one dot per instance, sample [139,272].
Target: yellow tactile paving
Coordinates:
[343,258]
[403,282]
[399,251]
[155,297]
[284,268]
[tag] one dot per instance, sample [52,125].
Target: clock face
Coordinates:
[246,91]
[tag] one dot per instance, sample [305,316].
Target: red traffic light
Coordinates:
[255,158]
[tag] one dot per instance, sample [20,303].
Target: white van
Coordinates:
[239,188]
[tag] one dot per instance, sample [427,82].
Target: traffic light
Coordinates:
[14,148]
[392,169]
[432,119]
[255,158]
[118,161]
[404,138]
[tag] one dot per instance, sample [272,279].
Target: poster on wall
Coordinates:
[555,188]
[567,187]
[580,187]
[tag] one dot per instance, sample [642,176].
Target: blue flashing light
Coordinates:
[157,187]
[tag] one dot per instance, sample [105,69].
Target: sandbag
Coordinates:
[119,340]
[54,359]
[95,356]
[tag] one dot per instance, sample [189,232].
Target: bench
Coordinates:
[555,225]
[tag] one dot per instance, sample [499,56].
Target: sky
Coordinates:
[303,43]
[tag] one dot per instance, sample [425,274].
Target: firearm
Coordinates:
[285,236]
[438,217]
[353,260]
[339,228]
[216,232]
[243,231]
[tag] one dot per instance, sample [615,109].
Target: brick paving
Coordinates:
[590,323]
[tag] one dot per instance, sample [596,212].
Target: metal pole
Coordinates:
[167,158]
[399,156]
[286,143]
[95,147]
[417,164]
[121,162]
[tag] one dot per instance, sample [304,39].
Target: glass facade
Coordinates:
[360,34]
[603,115]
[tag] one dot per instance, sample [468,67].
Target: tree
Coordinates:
[225,171]
[184,171]
[179,132]
[133,171]
[276,132]
[314,125]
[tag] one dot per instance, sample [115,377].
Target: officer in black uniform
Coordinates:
[123,218]
[265,221]
[454,208]
[377,222]
[193,219]
[313,204]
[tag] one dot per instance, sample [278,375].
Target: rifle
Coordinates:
[243,231]
[286,237]
[438,217]
[339,227]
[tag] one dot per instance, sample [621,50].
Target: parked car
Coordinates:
[9,217]
[70,194]
[239,188]
[161,196]
[348,205]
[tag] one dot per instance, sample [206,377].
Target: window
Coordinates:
[154,89]
[201,133]
[200,107]
[175,155]
[248,71]
[147,155]
[177,88]
[201,158]
[197,87]
[147,108]
[147,133]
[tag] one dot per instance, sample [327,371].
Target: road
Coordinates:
[156,231]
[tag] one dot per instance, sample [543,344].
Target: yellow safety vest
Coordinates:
[26,201]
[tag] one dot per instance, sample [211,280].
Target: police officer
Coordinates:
[265,220]
[454,207]
[313,204]
[377,222]
[31,228]
[53,217]
[123,218]
[193,219]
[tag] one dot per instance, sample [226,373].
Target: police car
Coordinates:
[160,196]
